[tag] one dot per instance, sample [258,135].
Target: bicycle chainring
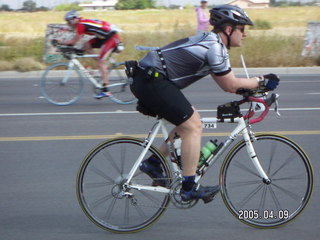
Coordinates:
[176,198]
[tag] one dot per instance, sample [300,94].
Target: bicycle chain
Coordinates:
[174,197]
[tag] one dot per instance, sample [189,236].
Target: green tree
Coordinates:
[29,5]
[5,7]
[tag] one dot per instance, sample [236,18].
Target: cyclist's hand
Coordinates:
[55,42]
[268,82]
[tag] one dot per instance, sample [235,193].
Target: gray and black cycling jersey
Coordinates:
[190,59]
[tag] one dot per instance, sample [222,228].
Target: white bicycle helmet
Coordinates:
[71,15]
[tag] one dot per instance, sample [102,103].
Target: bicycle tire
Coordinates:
[55,90]
[262,205]
[100,181]
[119,85]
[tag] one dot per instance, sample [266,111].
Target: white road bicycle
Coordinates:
[266,179]
[63,83]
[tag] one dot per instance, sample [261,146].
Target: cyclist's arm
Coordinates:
[230,83]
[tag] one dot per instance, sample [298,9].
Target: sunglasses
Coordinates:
[242,29]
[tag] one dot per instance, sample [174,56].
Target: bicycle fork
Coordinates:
[252,154]
[68,73]
[241,128]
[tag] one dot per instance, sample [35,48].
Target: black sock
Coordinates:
[105,89]
[188,182]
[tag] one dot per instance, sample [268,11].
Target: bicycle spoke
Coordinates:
[288,193]
[287,161]
[126,212]
[243,183]
[110,209]
[101,200]
[100,173]
[122,161]
[275,199]
[251,195]
[139,210]
[247,169]
[294,177]
[109,158]
[98,185]
[263,199]
[272,150]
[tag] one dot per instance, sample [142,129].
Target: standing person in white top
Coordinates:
[202,18]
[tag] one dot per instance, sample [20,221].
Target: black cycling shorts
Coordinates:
[162,97]
[97,42]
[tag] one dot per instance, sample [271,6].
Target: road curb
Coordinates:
[241,71]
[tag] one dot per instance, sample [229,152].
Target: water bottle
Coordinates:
[177,151]
[177,146]
[206,151]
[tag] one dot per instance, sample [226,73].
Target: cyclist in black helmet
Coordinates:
[161,74]
[228,15]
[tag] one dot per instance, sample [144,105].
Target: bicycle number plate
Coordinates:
[209,123]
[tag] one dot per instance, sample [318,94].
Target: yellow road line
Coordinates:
[88,137]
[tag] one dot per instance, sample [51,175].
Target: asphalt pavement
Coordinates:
[42,146]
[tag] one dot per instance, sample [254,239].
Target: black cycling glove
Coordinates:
[268,82]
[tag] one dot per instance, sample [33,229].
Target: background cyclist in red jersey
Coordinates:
[106,38]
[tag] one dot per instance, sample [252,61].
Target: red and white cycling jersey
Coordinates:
[98,28]
[106,37]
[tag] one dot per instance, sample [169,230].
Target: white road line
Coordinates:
[126,112]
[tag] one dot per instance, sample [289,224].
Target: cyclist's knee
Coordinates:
[192,125]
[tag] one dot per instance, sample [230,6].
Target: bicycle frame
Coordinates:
[84,72]
[241,128]
[75,62]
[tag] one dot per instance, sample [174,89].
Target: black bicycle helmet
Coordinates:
[223,14]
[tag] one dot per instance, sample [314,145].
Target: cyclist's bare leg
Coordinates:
[190,132]
[100,63]
[88,48]
[104,71]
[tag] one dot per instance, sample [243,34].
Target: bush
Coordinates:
[68,7]
[6,66]
[318,60]
[27,64]
[261,25]
[135,4]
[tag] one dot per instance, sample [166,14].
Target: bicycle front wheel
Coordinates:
[119,85]
[259,203]
[61,85]
[104,196]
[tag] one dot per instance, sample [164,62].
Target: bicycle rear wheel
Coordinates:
[119,85]
[106,200]
[260,204]
[61,85]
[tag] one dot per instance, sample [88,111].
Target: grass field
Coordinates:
[22,34]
